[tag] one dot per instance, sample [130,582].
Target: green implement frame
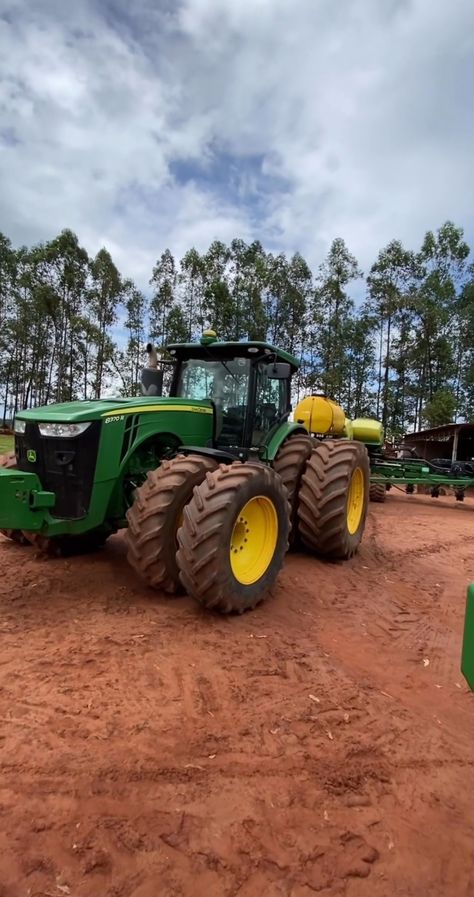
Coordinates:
[415,473]
[467,660]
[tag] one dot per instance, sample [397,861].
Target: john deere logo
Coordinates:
[31,455]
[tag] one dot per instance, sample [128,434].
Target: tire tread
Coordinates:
[322,516]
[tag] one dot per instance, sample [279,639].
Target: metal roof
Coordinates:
[432,432]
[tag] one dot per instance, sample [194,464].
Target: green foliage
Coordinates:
[440,409]
[331,323]
[404,354]
[390,288]
[163,281]
[105,293]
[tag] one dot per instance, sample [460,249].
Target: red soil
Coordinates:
[323,742]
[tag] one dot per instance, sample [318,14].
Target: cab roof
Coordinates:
[226,350]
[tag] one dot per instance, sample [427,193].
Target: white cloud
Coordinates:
[359,113]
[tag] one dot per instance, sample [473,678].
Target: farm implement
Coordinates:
[467,659]
[386,473]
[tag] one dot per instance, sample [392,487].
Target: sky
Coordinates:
[171,123]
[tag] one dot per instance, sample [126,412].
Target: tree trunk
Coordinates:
[379,383]
[386,375]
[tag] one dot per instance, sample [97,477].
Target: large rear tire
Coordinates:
[377,492]
[290,464]
[333,498]
[155,516]
[234,537]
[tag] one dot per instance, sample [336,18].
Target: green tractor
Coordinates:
[213,482]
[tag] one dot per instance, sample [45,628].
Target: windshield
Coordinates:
[225,383]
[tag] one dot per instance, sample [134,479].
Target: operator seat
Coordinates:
[232,429]
[265,418]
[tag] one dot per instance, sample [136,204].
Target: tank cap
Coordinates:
[209,336]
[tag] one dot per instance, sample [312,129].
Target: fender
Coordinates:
[277,438]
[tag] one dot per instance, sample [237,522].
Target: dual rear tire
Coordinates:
[328,488]
[157,514]
[221,532]
[234,537]
[218,531]
[333,498]
[290,465]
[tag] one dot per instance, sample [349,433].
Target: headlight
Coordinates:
[66,430]
[20,426]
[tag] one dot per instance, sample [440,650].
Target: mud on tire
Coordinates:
[290,464]
[325,498]
[377,492]
[238,511]
[155,515]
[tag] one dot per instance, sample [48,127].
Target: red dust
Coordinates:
[323,742]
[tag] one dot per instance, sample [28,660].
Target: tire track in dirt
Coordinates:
[292,750]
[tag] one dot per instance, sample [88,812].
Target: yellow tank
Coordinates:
[320,415]
[348,429]
[367,430]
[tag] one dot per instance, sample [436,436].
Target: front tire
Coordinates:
[155,516]
[334,497]
[234,537]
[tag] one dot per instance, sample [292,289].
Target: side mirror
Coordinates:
[152,382]
[280,370]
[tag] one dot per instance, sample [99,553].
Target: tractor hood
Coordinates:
[75,412]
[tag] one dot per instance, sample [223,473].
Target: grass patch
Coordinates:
[6,444]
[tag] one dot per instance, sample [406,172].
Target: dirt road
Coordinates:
[323,743]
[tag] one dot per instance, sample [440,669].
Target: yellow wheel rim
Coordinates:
[253,541]
[355,500]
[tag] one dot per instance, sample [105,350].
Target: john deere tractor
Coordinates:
[213,481]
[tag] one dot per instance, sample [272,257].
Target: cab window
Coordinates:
[226,384]
[270,403]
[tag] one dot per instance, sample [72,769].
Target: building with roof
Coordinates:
[451,441]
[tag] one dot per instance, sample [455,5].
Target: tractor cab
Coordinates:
[247,384]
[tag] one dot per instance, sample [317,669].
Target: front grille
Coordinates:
[64,466]
[129,434]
